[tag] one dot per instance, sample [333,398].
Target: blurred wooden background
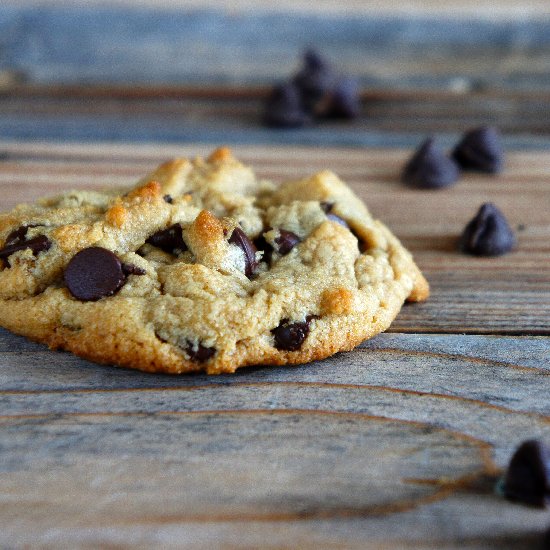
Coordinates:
[198,71]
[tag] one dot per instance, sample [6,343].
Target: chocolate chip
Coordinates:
[239,238]
[290,336]
[430,168]
[327,207]
[286,241]
[199,352]
[168,199]
[40,243]
[480,149]
[262,245]
[170,240]
[131,269]
[338,219]
[283,108]
[93,273]
[344,101]
[18,235]
[37,244]
[488,234]
[527,479]
[315,80]
[315,91]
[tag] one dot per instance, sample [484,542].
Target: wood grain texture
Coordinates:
[234,114]
[397,444]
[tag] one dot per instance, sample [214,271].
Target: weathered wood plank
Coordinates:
[230,451]
[174,114]
[505,9]
[275,465]
[504,428]
[41,382]
[517,351]
[467,528]
[223,470]
[98,44]
[396,444]
[27,366]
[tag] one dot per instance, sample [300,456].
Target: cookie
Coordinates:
[203,266]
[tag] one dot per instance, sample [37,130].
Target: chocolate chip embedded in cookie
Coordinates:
[94,273]
[203,267]
[290,336]
[200,353]
[239,238]
[286,241]
[170,239]
[17,241]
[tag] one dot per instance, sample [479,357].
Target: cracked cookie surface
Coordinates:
[202,266]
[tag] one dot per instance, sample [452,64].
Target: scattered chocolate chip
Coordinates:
[344,101]
[37,244]
[93,273]
[527,479]
[488,234]
[170,240]
[239,238]
[168,199]
[290,336]
[521,227]
[199,352]
[284,108]
[315,91]
[430,168]
[480,149]
[315,80]
[286,241]
[131,269]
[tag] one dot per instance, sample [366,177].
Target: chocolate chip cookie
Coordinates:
[203,266]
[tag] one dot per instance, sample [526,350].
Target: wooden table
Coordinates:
[396,444]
